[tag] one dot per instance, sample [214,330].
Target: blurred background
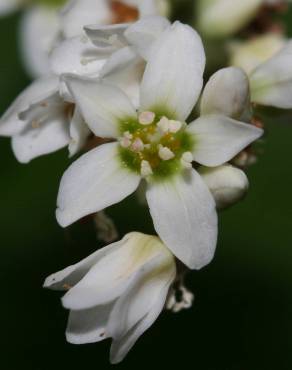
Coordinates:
[242,316]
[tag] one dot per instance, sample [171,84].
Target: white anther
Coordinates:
[165,153]
[128,135]
[137,145]
[174,126]
[186,160]
[125,142]
[163,125]
[146,169]
[146,118]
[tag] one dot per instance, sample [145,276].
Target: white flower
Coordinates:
[8,6]
[271,82]
[227,184]
[222,18]
[117,292]
[181,205]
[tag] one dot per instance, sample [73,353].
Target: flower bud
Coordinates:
[222,18]
[227,184]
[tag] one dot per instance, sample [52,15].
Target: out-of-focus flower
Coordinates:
[8,6]
[222,18]
[44,119]
[117,292]
[227,184]
[157,145]
[271,81]
[251,53]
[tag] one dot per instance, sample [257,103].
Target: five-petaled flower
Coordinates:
[157,145]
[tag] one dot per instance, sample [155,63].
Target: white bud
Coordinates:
[165,153]
[146,118]
[227,184]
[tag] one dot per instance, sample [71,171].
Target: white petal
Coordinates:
[173,76]
[153,7]
[71,275]
[125,70]
[227,184]
[138,309]
[218,139]
[79,56]
[102,105]
[88,326]
[79,13]
[110,277]
[111,35]
[49,137]
[93,182]
[79,133]
[144,32]
[39,32]
[10,124]
[226,93]
[184,216]
[271,82]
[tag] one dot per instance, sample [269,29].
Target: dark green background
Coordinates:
[242,316]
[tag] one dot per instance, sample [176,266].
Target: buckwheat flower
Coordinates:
[222,18]
[227,184]
[117,292]
[271,81]
[157,145]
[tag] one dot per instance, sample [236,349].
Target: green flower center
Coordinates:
[154,146]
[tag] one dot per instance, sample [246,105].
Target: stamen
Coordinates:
[187,159]
[137,145]
[146,118]
[163,125]
[146,169]
[165,153]
[174,126]
[125,141]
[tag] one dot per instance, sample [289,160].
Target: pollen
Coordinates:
[155,146]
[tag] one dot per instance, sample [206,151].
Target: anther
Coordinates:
[146,169]
[163,125]
[146,118]
[174,126]
[165,153]
[186,160]
[137,145]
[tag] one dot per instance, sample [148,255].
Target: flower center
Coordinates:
[155,146]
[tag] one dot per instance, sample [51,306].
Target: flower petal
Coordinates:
[88,326]
[47,138]
[71,275]
[144,32]
[79,56]
[111,275]
[111,35]
[79,133]
[184,216]
[93,182]
[39,90]
[148,299]
[271,82]
[218,139]
[39,32]
[173,76]
[102,105]
[79,13]
[226,93]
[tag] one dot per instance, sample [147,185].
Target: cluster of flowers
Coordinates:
[120,75]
